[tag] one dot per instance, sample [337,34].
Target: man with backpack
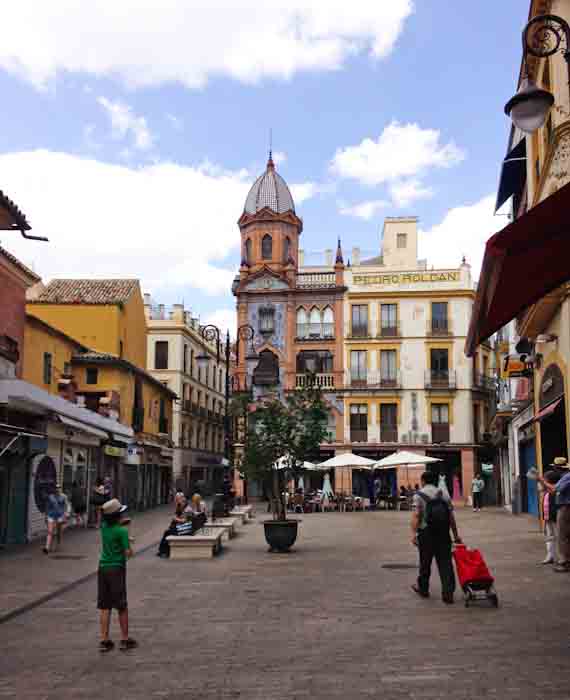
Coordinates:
[432,519]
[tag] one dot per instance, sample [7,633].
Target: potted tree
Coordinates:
[293,429]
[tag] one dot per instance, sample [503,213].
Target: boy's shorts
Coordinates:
[112,588]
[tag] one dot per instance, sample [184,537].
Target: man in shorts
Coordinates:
[112,575]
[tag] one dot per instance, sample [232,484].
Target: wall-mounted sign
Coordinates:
[487,468]
[134,455]
[113,451]
[407,278]
[45,479]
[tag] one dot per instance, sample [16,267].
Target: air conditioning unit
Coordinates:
[425,438]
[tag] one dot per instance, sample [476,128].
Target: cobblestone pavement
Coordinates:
[327,621]
[27,574]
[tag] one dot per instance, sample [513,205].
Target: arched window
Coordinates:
[328,323]
[266,247]
[248,251]
[302,324]
[286,249]
[315,322]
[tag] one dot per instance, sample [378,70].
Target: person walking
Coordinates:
[562,500]
[112,575]
[477,486]
[432,519]
[55,516]
[549,512]
[78,504]
[98,498]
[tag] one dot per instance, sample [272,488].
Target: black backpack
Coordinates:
[437,515]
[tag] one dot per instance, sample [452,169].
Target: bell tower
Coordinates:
[269,227]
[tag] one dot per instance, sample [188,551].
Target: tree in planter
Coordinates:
[293,428]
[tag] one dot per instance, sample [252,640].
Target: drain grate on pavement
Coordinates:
[396,566]
[67,556]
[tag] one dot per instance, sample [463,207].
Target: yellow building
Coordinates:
[89,336]
[105,315]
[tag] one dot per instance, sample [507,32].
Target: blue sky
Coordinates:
[131,133]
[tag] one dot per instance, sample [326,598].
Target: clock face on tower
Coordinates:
[266,282]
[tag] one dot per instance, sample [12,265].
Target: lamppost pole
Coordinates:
[212,334]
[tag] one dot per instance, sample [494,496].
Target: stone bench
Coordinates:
[246,512]
[227,525]
[204,545]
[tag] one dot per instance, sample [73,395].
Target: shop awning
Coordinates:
[76,425]
[548,411]
[513,174]
[21,395]
[522,263]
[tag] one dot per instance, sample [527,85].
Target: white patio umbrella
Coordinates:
[347,459]
[403,459]
[283,463]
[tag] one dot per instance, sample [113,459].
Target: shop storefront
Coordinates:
[551,416]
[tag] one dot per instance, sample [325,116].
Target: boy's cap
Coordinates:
[113,506]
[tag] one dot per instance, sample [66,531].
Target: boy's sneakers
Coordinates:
[106,645]
[127,644]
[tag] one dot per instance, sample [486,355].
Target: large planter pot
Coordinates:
[280,535]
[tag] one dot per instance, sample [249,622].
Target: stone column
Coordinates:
[467,473]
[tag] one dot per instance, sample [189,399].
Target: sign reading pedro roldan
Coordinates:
[407,278]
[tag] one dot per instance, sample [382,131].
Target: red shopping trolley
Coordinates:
[474,576]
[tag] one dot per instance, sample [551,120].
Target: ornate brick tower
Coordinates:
[296,313]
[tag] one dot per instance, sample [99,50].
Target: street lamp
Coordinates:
[529,108]
[212,334]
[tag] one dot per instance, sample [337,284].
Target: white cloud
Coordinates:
[363,210]
[124,123]
[189,41]
[401,151]
[169,225]
[405,192]
[224,319]
[279,157]
[463,231]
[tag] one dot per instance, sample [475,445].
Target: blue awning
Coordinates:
[513,174]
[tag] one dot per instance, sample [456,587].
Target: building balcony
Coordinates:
[323,381]
[483,382]
[316,280]
[439,327]
[388,433]
[357,435]
[439,432]
[376,380]
[358,332]
[389,330]
[438,379]
[315,331]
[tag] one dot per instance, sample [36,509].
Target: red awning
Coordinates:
[548,411]
[522,263]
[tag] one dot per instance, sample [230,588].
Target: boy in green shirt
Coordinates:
[112,575]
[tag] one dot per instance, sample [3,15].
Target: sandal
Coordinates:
[129,643]
[106,645]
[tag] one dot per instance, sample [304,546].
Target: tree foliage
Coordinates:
[293,428]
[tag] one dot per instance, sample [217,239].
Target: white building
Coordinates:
[408,383]
[174,343]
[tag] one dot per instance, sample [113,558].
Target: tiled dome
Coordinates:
[269,190]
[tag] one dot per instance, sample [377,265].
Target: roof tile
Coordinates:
[84,291]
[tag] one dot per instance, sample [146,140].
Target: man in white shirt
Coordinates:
[432,519]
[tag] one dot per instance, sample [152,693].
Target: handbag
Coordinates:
[97,499]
